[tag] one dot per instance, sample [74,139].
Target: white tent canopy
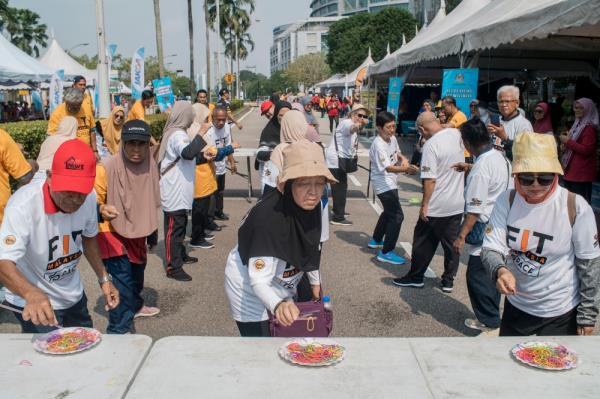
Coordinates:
[17,66]
[533,37]
[435,30]
[341,80]
[56,58]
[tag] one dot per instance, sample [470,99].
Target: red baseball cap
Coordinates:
[73,168]
[265,106]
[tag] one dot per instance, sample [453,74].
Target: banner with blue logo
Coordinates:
[137,73]
[395,88]
[56,89]
[462,85]
[36,100]
[164,93]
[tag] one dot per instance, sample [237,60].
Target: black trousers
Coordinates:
[175,227]
[515,322]
[254,328]
[485,298]
[152,239]
[426,238]
[582,188]
[332,120]
[390,221]
[339,192]
[200,220]
[219,194]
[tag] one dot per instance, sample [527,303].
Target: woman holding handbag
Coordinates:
[279,241]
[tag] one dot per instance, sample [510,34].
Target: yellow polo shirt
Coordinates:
[84,118]
[137,111]
[12,163]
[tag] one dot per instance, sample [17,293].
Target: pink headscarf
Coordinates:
[543,125]
[589,118]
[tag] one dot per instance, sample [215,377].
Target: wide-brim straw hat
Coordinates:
[357,107]
[535,153]
[303,159]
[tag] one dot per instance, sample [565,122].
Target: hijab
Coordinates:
[293,128]
[112,132]
[181,118]
[543,125]
[278,227]
[67,130]
[133,189]
[271,133]
[589,118]
[201,113]
[310,118]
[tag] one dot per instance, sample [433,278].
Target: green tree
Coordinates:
[24,28]
[307,70]
[349,39]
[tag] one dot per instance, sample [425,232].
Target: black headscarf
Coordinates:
[277,227]
[270,135]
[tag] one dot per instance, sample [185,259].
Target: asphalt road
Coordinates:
[364,300]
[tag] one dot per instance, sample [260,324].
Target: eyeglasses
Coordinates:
[543,179]
[363,116]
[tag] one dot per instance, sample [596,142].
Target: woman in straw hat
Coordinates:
[344,144]
[551,276]
[279,241]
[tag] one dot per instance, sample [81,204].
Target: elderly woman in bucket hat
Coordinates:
[279,241]
[541,248]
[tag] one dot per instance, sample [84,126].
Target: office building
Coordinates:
[330,8]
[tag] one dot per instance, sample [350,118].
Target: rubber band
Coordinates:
[315,353]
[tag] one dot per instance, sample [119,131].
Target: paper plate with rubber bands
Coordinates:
[312,353]
[66,341]
[545,355]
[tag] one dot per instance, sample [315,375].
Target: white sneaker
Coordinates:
[147,311]
[475,324]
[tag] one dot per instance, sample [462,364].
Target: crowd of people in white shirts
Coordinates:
[528,237]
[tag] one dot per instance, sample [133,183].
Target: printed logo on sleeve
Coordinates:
[425,169]
[10,240]
[475,202]
[259,264]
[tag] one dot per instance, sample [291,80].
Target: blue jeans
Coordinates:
[75,316]
[485,298]
[390,221]
[128,279]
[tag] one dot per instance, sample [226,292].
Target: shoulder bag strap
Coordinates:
[571,207]
[171,166]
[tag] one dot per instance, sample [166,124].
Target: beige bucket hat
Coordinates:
[535,153]
[357,107]
[303,159]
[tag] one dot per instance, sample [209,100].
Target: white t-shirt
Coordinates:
[491,176]
[46,247]
[261,285]
[177,185]
[268,171]
[542,248]
[383,155]
[440,152]
[346,142]
[513,127]
[221,138]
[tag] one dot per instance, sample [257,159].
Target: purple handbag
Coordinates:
[314,321]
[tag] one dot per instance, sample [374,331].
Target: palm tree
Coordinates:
[234,23]
[25,30]
[191,32]
[207,34]
[159,47]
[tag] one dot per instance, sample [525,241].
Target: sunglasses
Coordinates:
[362,116]
[543,179]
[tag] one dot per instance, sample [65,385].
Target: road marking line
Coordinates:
[247,113]
[354,181]
[375,206]
[407,247]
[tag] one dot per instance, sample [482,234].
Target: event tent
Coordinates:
[17,66]
[536,38]
[56,58]
[349,80]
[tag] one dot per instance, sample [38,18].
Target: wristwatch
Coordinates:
[105,279]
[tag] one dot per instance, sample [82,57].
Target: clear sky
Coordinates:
[130,24]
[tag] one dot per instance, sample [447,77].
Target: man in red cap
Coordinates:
[47,226]
[267,108]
